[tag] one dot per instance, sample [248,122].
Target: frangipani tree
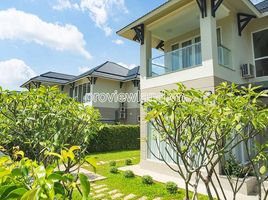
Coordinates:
[43,120]
[201,128]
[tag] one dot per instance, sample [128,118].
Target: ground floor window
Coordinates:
[157,149]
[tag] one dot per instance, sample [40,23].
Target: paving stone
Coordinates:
[101,190]
[117,195]
[113,192]
[143,198]
[99,186]
[98,196]
[130,196]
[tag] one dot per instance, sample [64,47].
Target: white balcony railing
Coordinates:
[183,58]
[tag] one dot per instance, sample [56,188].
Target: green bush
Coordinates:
[128,162]
[129,174]
[115,138]
[114,170]
[112,163]
[148,180]
[171,187]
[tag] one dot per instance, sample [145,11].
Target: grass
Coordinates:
[132,185]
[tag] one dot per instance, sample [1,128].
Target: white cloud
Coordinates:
[118,42]
[14,72]
[65,4]
[83,69]
[130,66]
[18,25]
[101,10]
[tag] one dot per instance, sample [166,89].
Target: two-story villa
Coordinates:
[199,43]
[109,87]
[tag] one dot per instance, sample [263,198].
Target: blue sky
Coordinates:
[68,36]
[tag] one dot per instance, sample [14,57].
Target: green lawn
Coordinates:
[133,185]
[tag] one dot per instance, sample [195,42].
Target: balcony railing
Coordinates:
[183,58]
[225,57]
[177,60]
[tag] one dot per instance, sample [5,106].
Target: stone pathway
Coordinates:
[102,192]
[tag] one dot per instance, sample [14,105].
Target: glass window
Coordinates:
[71,92]
[219,37]
[88,87]
[80,93]
[198,56]
[187,54]
[175,57]
[260,41]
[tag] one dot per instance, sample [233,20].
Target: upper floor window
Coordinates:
[260,42]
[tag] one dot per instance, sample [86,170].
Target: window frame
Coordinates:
[253,52]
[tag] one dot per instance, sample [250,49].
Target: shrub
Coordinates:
[171,187]
[114,170]
[128,162]
[129,174]
[115,138]
[112,163]
[148,180]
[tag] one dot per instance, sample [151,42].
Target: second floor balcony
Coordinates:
[185,58]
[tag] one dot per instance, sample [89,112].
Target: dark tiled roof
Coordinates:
[51,77]
[111,70]
[262,6]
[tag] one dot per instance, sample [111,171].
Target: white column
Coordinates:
[145,56]
[209,42]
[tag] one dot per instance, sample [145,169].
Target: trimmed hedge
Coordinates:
[115,138]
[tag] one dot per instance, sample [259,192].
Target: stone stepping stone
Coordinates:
[101,190]
[113,192]
[98,187]
[117,195]
[130,196]
[98,196]
[143,198]
[157,198]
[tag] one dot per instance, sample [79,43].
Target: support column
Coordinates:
[145,56]
[209,42]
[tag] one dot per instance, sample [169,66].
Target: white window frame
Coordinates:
[253,52]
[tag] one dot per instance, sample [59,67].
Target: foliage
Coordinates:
[112,163]
[148,180]
[129,174]
[128,162]
[43,120]
[233,168]
[23,178]
[115,138]
[114,170]
[171,187]
[202,127]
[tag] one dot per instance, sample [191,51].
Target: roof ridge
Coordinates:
[56,73]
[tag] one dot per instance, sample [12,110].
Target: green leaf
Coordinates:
[85,186]
[15,194]
[55,177]
[263,170]
[59,189]
[5,190]
[16,172]
[31,195]
[91,161]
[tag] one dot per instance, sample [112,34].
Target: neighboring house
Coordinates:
[201,43]
[100,88]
